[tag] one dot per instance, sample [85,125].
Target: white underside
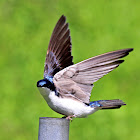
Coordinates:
[66,106]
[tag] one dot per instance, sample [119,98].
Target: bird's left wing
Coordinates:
[77,80]
[59,50]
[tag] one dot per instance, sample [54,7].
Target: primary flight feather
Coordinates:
[66,86]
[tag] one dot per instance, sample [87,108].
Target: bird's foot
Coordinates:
[70,117]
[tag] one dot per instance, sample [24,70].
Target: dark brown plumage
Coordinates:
[111,104]
[59,49]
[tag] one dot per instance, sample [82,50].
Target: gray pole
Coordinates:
[53,129]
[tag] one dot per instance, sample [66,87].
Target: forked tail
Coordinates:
[107,104]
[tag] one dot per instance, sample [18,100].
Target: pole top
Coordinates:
[53,128]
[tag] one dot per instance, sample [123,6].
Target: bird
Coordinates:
[66,86]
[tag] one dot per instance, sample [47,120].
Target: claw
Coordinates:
[70,117]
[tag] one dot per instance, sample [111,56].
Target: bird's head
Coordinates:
[46,83]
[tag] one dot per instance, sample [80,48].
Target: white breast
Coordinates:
[66,106]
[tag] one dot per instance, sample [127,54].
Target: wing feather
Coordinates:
[59,49]
[82,75]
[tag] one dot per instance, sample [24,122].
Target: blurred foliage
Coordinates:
[96,27]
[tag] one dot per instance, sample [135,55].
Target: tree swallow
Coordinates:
[66,86]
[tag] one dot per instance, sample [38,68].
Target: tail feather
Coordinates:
[107,104]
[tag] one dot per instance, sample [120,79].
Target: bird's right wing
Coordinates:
[59,50]
[77,80]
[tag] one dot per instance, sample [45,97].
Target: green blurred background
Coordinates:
[97,26]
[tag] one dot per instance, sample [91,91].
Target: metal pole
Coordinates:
[53,129]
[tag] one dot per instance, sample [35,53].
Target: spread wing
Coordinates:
[59,50]
[77,80]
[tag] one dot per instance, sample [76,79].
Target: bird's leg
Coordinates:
[70,117]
